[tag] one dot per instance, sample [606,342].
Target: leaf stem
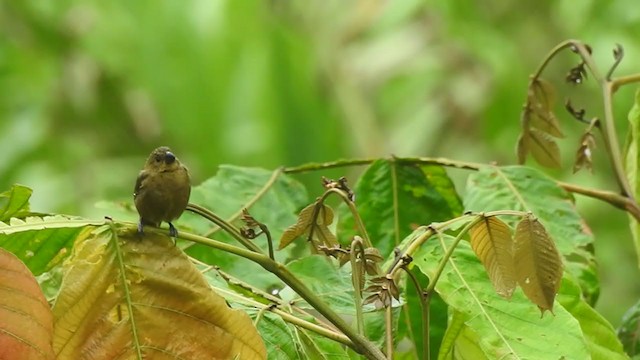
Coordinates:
[357,272]
[447,255]
[388,320]
[617,200]
[624,80]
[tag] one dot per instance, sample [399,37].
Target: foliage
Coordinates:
[400,248]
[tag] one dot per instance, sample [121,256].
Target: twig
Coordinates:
[424,310]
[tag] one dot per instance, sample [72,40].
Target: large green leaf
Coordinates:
[272,201]
[393,198]
[505,329]
[43,242]
[632,165]
[526,189]
[600,335]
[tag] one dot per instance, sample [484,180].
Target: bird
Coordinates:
[162,190]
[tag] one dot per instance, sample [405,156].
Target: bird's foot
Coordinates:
[173,232]
[140,230]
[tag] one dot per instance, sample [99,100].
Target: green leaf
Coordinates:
[505,329]
[43,242]
[15,202]
[632,165]
[393,198]
[316,347]
[526,189]
[274,202]
[629,330]
[326,280]
[600,335]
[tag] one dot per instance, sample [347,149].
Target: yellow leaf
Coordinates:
[492,243]
[544,149]
[538,263]
[133,297]
[522,148]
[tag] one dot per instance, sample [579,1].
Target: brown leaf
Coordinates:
[538,263]
[492,243]
[144,298]
[26,322]
[544,149]
[541,102]
[522,148]
[320,230]
[584,153]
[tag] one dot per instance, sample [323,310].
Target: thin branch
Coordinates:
[624,80]
[232,230]
[388,320]
[617,200]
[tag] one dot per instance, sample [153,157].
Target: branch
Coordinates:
[617,200]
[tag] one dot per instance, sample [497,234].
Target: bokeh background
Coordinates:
[89,88]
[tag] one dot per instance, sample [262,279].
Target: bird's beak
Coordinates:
[169,157]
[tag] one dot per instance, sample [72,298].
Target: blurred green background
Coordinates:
[89,88]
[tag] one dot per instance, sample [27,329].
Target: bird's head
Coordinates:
[162,159]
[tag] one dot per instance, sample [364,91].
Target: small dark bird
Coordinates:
[162,190]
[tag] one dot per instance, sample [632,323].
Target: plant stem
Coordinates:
[424,311]
[357,270]
[617,200]
[623,80]
[209,215]
[447,255]
[388,320]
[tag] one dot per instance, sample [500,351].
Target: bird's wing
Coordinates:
[143,175]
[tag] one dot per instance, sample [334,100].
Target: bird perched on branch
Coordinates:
[162,190]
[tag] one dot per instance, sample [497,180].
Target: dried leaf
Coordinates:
[538,263]
[492,243]
[583,155]
[544,149]
[304,226]
[522,148]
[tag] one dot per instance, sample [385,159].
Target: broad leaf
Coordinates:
[538,264]
[505,328]
[26,324]
[393,198]
[526,189]
[491,241]
[632,165]
[43,242]
[123,296]
[15,202]
[600,335]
